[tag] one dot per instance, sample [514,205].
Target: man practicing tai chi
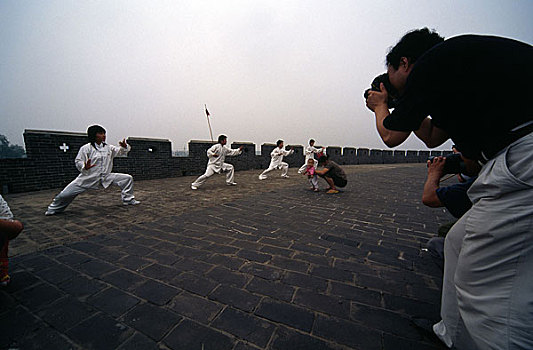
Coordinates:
[277,161]
[310,154]
[95,162]
[332,173]
[217,154]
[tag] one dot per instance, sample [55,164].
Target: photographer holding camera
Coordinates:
[477,90]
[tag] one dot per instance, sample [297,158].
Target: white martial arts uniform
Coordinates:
[96,177]
[310,154]
[277,162]
[5,211]
[487,295]
[217,154]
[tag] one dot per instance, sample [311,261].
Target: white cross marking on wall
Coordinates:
[64,147]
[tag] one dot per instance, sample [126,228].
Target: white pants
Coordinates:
[313,180]
[487,297]
[283,166]
[210,171]
[303,167]
[65,197]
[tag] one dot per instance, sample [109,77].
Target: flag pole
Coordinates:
[208,123]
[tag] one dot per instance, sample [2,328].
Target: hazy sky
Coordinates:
[266,69]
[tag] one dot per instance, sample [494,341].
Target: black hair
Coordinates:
[322,160]
[413,45]
[279,142]
[91,133]
[311,141]
[222,138]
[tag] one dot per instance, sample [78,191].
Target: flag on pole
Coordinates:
[206,112]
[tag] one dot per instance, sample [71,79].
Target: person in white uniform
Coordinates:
[277,162]
[217,154]
[95,163]
[310,154]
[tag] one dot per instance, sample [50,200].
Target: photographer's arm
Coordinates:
[430,134]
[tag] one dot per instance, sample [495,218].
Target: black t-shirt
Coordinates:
[475,88]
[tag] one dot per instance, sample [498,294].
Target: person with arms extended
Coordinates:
[476,90]
[95,163]
[310,154]
[277,162]
[217,154]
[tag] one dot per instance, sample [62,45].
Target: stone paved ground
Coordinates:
[264,265]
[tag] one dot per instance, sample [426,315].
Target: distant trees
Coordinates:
[10,151]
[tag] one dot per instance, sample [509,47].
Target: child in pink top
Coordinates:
[310,171]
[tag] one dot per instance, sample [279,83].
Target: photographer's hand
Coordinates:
[436,167]
[377,99]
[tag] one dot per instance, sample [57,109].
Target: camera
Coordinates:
[375,86]
[453,164]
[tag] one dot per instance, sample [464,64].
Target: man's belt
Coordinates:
[489,152]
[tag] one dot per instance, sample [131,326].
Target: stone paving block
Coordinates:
[391,342]
[110,254]
[254,255]
[160,272]
[194,283]
[96,267]
[16,325]
[65,313]
[195,307]
[290,264]
[227,276]
[383,320]
[155,292]
[332,273]
[81,286]
[413,307]
[287,314]
[245,326]
[151,320]
[193,336]
[319,260]
[38,262]
[223,249]
[134,263]
[311,249]
[276,251]
[264,271]
[238,298]
[331,305]
[100,332]
[20,280]
[163,258]
[38,296]
[139,342]
[44,337]
[360,295]
[56,251]
[113,301]
[272,289]
[305,281]
[86,247]
[124,279]
[73,259]
[195,266]
[57,273]
[231,263]
[285,339]
[347,333]
[245,346]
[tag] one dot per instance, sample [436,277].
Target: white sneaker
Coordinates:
[194,187]
[285,176]
[49,212]
[131,202]
[231,183]
[262,177]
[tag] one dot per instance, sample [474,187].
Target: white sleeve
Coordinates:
[81,158]
[211,151]
[232,152]
[286,153]
[119,150]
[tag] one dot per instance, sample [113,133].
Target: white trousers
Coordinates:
[303,167]
[283,166]
[210,171]
[65,197]
[487,297]
[313,180]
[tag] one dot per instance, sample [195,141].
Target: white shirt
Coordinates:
[5,212]
[277,156]
[217,154]
[310,152]
[102,156]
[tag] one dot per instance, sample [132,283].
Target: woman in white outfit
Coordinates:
[95,163]
[310,154]
[277,161]
[217,154]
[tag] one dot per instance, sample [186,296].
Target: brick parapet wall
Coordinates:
[51,154]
